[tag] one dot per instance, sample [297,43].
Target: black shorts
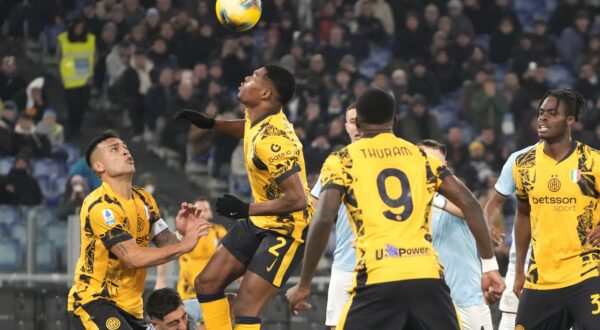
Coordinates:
[104,315]
[558,309]
[411,304]
[269,254]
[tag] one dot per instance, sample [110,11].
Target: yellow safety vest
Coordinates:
[77,62]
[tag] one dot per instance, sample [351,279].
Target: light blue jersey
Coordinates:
[506,186]
[344,256]
[457,250]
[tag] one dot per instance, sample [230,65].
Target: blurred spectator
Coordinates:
[138,38]
[412,41]
[11,81]
[201,141]
[117,17]
[76,191]
[51,33]
[103,8]
[77,48]
[158,98]
[133,87]
[542,42]
[524,54]
[535,81]
[336,135]
[184,24]
[175,134]
[587,83]
[159,56]
[572,40]
[480,16]
[203,13]
[36,102]
[516,96]
[198,49]
[503,39]
[487,107]
[50,128]
[133,12]
[9,114]
[19,187]
[316,153]
[501,10]
[5,135]
[457,151]
[89,14]
[460,21]
[370,25]
[564,14]
[591,53]
[118,61]
[445,71]
[469,89]
[475,171]
[26,137]
[166,10]
[476,62]
[381,10]
[399,88]
[151,23]
[462,48]
[423,82]
[493,151]
[80,167]
[104,45]
[418,124]
[236,63]
[335,48]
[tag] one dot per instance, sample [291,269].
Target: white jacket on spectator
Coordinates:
[381,10]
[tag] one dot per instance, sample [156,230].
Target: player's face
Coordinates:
[254,88]
[113,158]
[552,119]
[351,128]
[435,153]
[176,320]
[204,206]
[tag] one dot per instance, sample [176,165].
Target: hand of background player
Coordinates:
[195,117]
[232,207]
[492,286]
[188,212]
[296,298]
[519,283]
[497,236]
[593,237]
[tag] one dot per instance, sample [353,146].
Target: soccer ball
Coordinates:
[238,15]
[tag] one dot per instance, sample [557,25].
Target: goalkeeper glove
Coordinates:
[232,207]
[195,117]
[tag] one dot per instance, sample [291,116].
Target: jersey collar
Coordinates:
[263,117]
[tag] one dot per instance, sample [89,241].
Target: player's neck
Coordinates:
[371,130]
[121,185]
[558,149]
[260,111]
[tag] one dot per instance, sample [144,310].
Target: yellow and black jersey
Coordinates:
[106,220]
[564,205]
[387,185]
[273,152]
[191,264]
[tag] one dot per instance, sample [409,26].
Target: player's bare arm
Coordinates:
[492,284]
[316,241]
[187,213]
[522,239]
[491,209]
[134,256]
[234,128]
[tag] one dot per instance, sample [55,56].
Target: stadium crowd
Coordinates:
[468,73]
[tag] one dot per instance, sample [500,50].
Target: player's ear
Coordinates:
[267,93]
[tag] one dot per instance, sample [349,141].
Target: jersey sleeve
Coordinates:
[439,171]
[316,190]
[157,224]
[506,183]
[519,187]
[278,155]
[332,176]
[109,225]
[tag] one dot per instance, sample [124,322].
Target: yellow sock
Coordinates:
[247,323]
[215,311]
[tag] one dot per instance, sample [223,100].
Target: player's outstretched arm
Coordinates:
[134,256]
[522,239]
[491,208]
[293,198]
[492,284]
[234,128]
[316,241]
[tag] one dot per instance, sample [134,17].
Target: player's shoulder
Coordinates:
[527,157]
[587,151]
[100,200]
[144,195]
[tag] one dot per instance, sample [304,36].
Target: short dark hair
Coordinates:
[433,144]
[375,106]
[162,302]
[573,100]
[351,106]
[283,81]
[109,134]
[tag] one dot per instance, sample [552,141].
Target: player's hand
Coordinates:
[519,283]
[492,286]
[193,232]
[232,207]
[188,212]
[296,298]
[593,237]
[497,236]
[195,117]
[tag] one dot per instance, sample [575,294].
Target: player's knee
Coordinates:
[206,284]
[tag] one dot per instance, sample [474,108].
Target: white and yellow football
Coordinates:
[238,15]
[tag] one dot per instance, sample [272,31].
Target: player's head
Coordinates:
[375,107]
[270,83]
[108,155]
[351,122]
[557,112]
[166,310]
[434,148]
[204,205]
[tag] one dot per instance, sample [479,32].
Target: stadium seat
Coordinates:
[48,166]
[56,232]
[46,258]
[9,214]
[52,186]
[6,163]
[71,150]
[10,255]
[42,216]
[18,232]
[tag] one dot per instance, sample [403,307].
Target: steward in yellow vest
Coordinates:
[77,56]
